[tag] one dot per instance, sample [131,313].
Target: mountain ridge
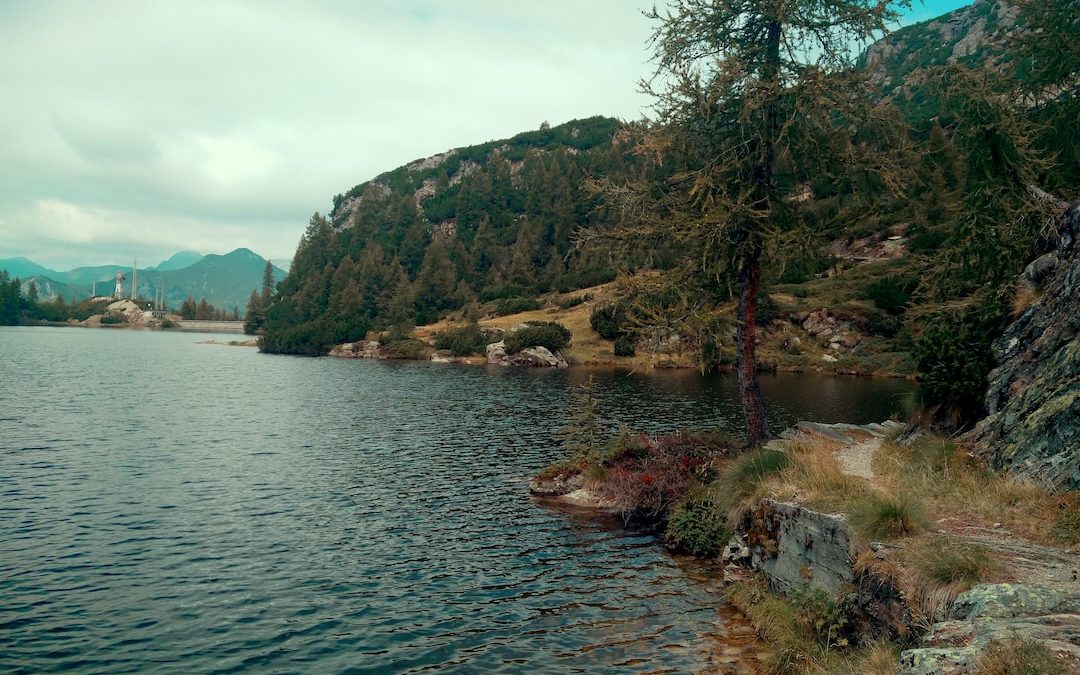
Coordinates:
[225,280]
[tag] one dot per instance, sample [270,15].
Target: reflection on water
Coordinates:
[179,507]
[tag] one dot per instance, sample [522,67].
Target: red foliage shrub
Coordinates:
[644,479]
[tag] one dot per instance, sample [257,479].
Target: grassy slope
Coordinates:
[841,294]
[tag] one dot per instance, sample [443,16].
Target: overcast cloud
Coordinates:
[138,128]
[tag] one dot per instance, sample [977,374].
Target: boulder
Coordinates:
[365,349]
[496,353]
[537,357]
[991,613]
[530,357]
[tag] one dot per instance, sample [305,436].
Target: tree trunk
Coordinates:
[757,425]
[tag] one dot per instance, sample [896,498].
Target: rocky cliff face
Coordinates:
[970,35]
[1033,430]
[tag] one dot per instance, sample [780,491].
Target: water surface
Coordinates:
[180,507]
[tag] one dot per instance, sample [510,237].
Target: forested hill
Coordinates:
[474,224]
[990,115]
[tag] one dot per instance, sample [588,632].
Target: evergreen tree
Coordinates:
[253,316]
[758,98]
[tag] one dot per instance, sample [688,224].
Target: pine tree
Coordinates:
[757,99]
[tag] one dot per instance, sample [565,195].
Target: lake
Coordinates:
[181,507]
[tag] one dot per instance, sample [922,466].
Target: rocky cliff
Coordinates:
[1033,430]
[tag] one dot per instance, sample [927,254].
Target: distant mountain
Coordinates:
[226,281]
[179,261]
[22,268]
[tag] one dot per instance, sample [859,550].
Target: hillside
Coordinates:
[477,224]
[911,283]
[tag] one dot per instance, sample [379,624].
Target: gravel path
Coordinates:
[858,459]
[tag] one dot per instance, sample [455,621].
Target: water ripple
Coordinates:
[170,507]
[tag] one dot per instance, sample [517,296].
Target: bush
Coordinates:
[698,526]
[624,346]
[112,320]
[883,517]
[890,294]
[608,320]
[516,306]
[954,358]
[461,341]
[575,301]
[550,334]
[168,323]
[643,478]
[406,350]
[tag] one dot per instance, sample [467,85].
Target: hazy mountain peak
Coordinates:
[180,260]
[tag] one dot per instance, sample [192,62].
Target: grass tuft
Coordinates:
[883,517]
[1019,657]
[950,563]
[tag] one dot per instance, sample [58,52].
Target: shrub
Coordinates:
[608,320]
[406,350]
[645,477]
[890,294]
[823,620]
[697,526]
[575,301]
[112,320]
[624,346]
[550,334]
[461,341]
[168,323]
[880,516]
[516,306]
[954,358]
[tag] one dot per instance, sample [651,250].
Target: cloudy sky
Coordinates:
[142,127]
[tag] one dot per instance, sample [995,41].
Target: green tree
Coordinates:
[267,284]
[188,309]
[757,99]
[253,316]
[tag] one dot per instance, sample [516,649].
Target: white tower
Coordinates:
[119,292]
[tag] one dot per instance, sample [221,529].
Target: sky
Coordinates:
[137,128]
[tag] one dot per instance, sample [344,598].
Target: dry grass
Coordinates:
[1024,297]
[794,648]
[814,477]
[586,346]
[958,565]
[954,484]
[882,517]
[1020,657]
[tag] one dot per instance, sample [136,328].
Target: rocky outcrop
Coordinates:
[530,357]
[991,613]
[794,546]
[1033,429]
[365,349]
